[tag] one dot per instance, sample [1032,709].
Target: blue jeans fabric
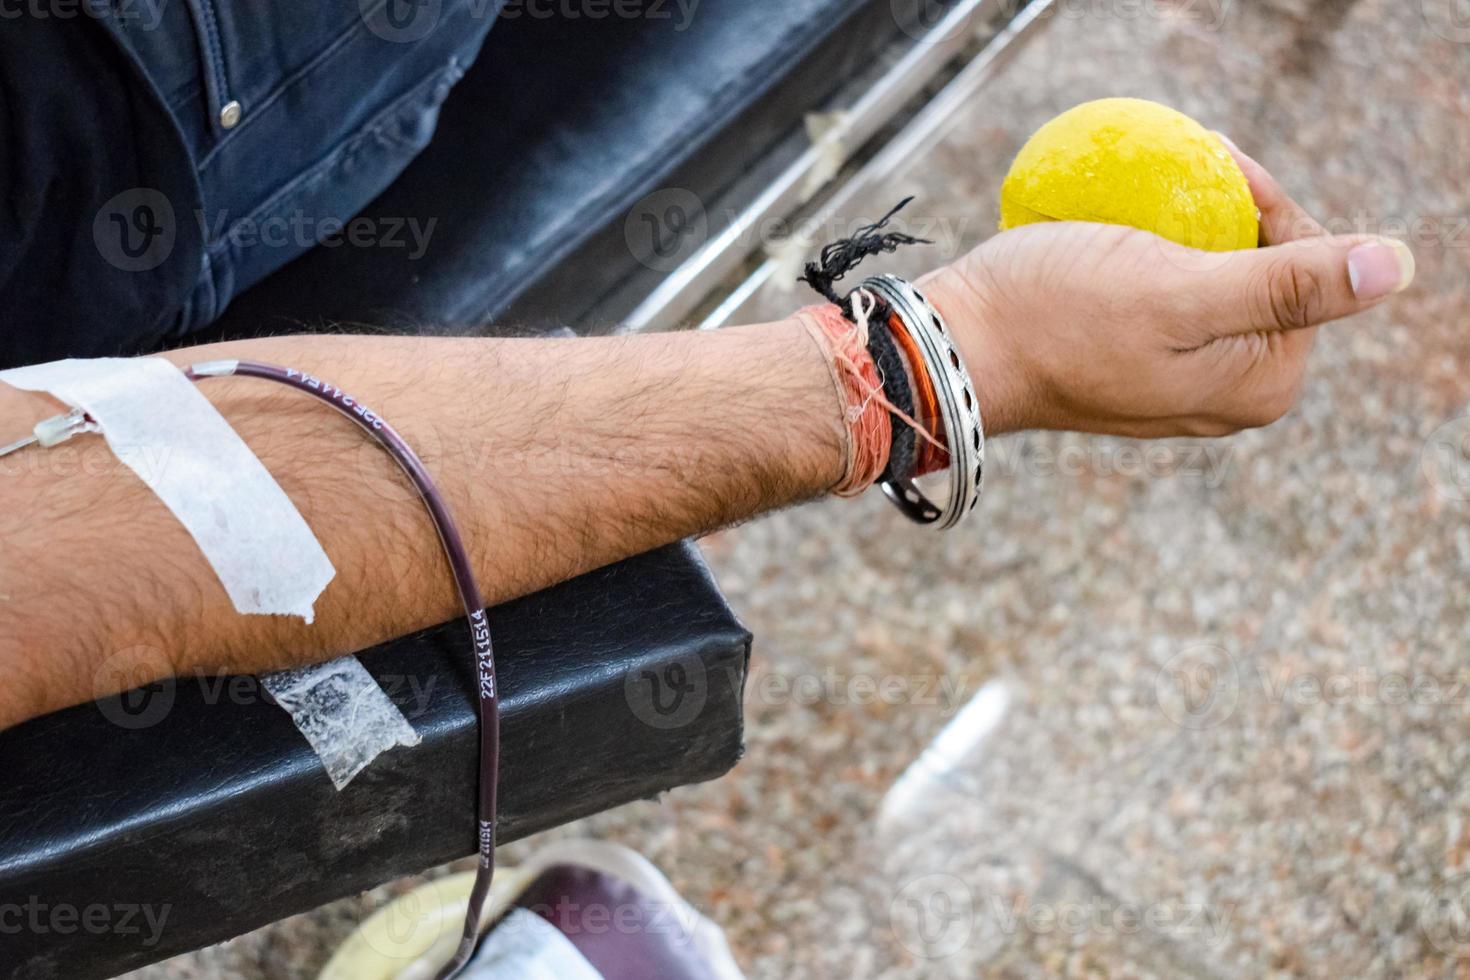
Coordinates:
[334,97]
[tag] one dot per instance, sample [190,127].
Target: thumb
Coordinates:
[1301,284]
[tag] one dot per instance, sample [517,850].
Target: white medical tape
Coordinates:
[159,425]
[344,714]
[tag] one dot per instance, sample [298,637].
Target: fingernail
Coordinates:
[1376,269]
[1228,141]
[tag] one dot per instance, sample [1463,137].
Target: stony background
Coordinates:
[1229,694]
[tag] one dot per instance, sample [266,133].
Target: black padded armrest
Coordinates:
[617,685]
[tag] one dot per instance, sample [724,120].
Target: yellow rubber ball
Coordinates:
[1137,163]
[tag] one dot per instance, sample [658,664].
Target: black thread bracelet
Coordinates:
[902,454]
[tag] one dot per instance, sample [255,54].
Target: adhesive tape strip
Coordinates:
[344,714]
[159,425]
[162,428]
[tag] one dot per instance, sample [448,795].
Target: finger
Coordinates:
[1297,285]
[1282,219]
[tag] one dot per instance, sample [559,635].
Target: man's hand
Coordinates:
[1102,328]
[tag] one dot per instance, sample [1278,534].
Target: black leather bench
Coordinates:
[200,800]
[617,685]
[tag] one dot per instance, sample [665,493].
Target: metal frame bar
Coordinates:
[680,294]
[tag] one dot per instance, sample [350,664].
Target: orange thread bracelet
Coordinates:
[931,455]
[865,408]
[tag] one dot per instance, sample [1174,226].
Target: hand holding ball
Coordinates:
[1086,323]
[1137,163]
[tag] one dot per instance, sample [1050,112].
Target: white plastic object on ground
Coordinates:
[525,946]
[412,936]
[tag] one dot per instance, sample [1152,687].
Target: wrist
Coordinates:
[1001,384]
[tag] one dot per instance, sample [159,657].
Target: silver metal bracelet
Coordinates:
[959,409]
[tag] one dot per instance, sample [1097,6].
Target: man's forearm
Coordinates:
[557,456]
[561,455]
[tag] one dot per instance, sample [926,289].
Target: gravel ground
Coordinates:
[1226,689]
